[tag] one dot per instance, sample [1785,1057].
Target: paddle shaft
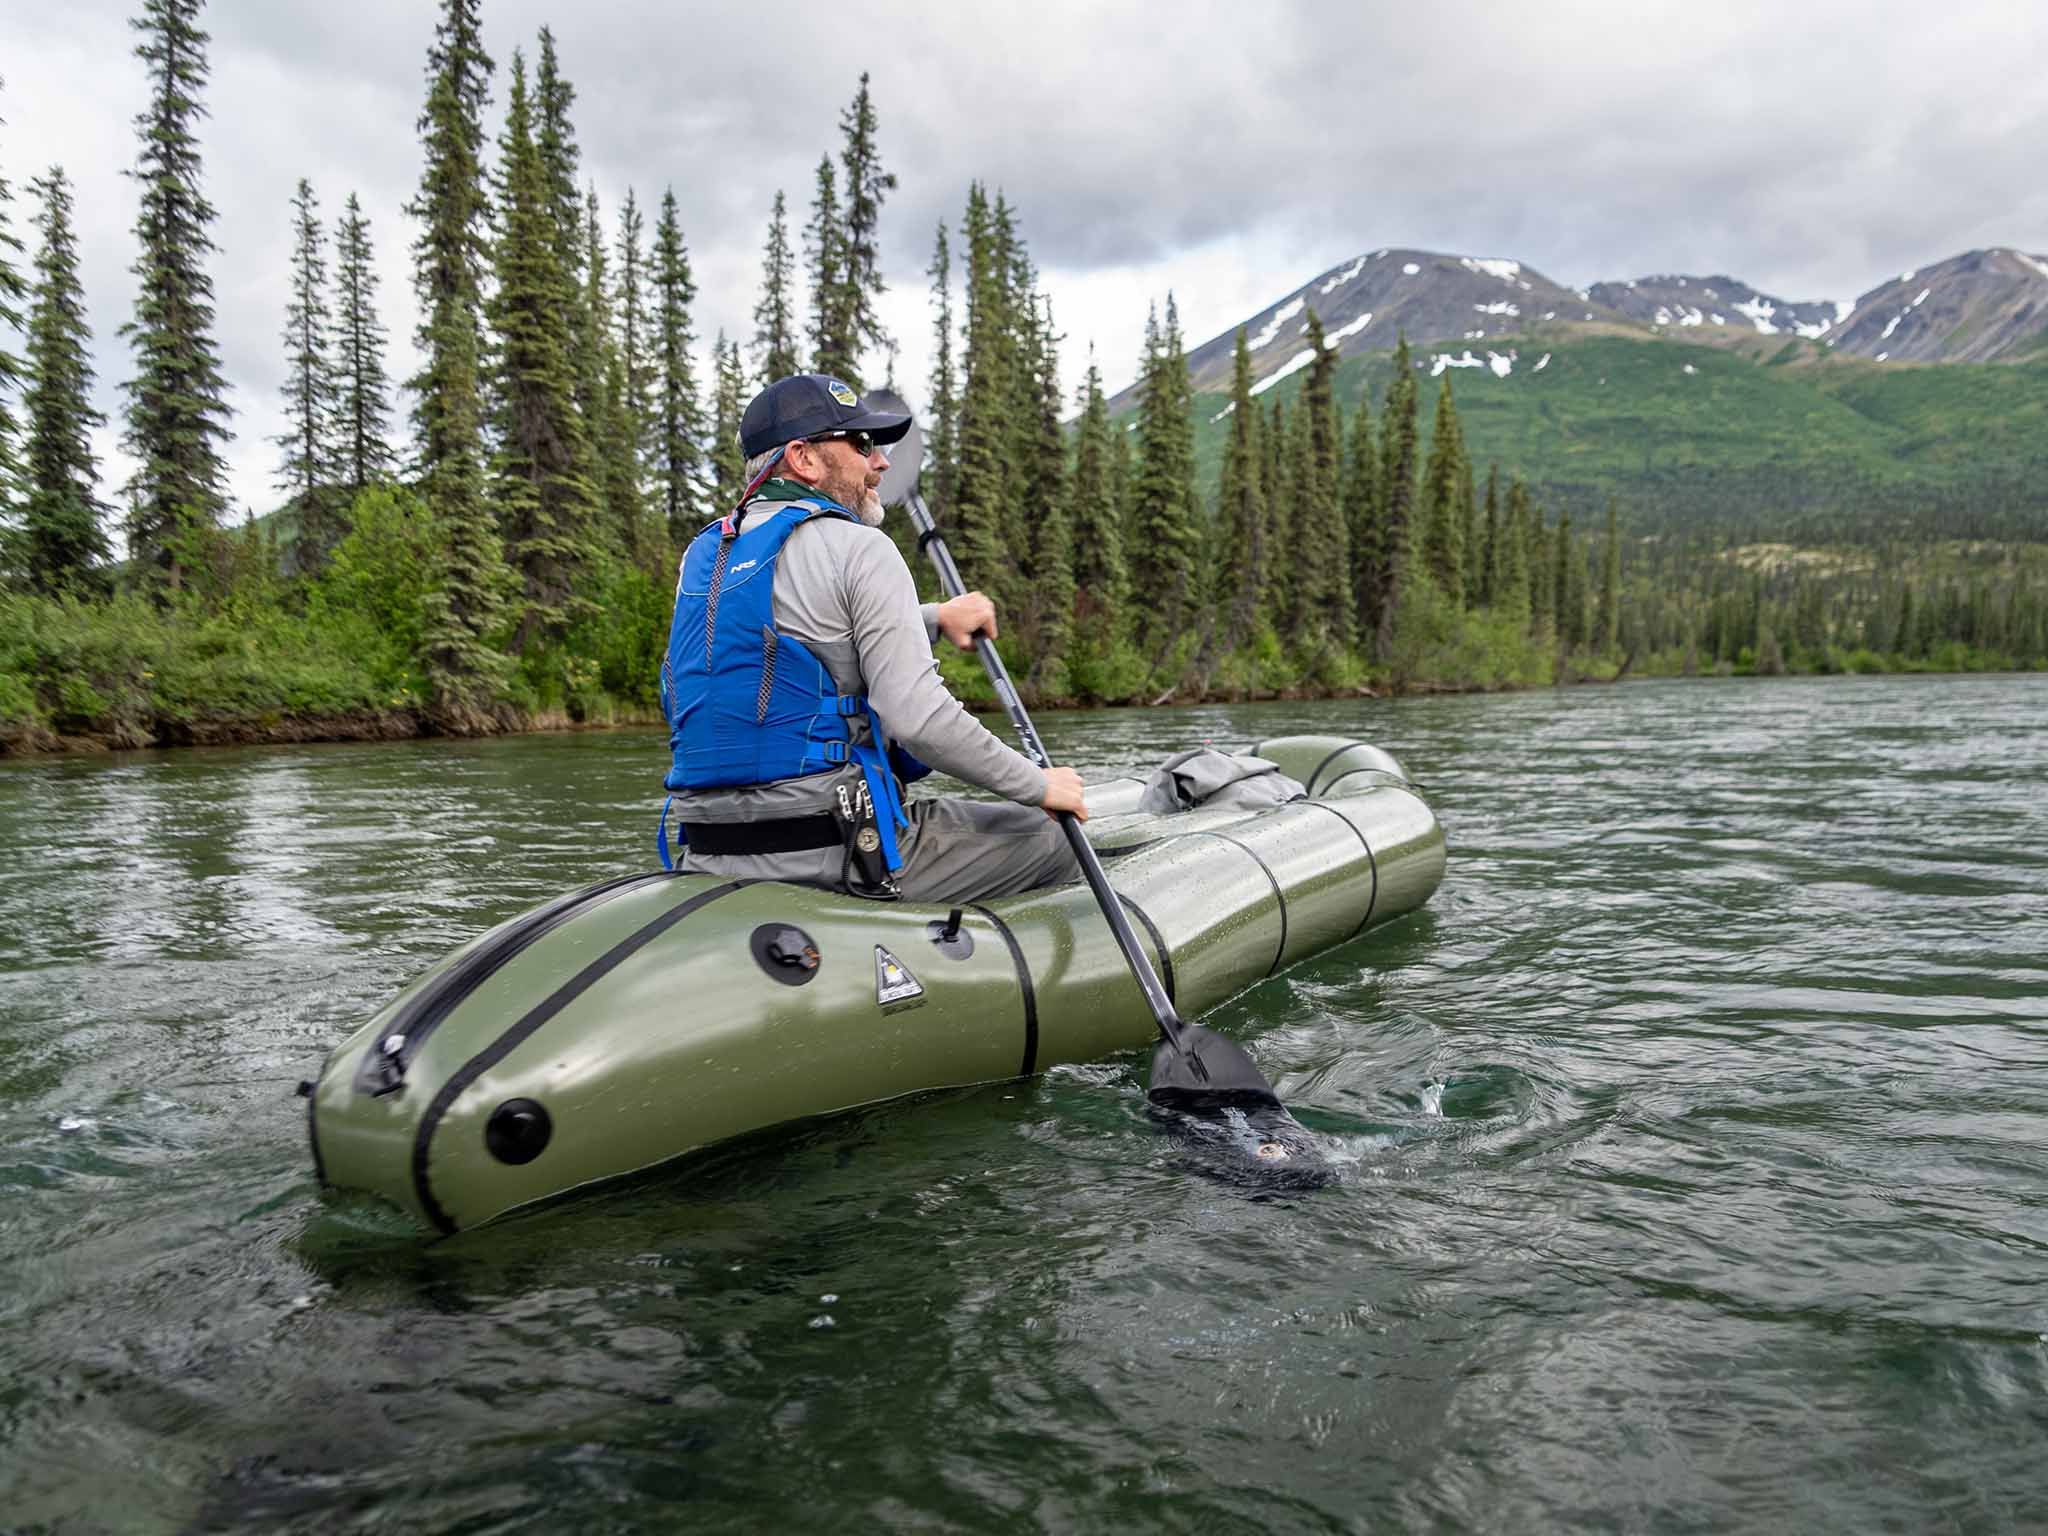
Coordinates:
[1169,1022]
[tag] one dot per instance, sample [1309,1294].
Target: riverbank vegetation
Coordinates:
[507,562]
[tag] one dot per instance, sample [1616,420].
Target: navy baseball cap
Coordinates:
[807,404]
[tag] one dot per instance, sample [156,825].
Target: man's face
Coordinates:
[849,477]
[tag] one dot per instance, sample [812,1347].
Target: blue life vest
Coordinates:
[749,705]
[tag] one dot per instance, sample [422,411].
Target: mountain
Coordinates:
[1366,304]
[1483,312]
[1973,308]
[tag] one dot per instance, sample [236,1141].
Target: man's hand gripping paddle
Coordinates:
[1194,1070]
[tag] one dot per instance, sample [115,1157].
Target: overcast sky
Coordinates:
[1227,151]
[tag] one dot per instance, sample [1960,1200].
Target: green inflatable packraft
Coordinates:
[640,1019]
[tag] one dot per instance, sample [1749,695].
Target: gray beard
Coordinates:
[871,510]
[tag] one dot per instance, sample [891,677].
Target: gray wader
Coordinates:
[953,851]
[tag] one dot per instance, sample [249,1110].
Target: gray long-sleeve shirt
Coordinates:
[844,591]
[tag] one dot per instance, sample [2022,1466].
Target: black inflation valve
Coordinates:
[785,952]
[518,1131]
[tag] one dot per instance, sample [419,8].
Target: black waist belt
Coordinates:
[785,834]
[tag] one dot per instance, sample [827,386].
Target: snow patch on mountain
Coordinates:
[1349,328]
[1499,307]
[1294,364]
[1345,276]
[1492,266]
[1501,365]
[1759,311]
[1281,316]
[1542,363]
[2034,262]
[1844,308]
[1409,268]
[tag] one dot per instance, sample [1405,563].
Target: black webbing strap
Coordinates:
[785,834]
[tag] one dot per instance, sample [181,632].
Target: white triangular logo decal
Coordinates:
[893,981]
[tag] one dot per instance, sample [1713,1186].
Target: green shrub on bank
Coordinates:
[128,671]
[370,602]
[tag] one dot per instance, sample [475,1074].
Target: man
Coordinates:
[801,689]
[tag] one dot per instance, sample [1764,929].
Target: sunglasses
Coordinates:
[863,443]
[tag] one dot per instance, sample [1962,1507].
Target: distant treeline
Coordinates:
[510,560]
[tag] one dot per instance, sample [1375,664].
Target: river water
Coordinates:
[1695,1143]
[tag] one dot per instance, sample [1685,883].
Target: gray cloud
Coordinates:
[1224,150]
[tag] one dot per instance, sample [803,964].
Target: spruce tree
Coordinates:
[312,398]
[1163,559]
[545,504]
[362,423]
[1470,547]
[1121,479]
[1049,564]
[867,187]
[177,406]
[1100,581]
[1384,564]
[1511,565]
[775,346]
[465,606]
[555,139]
[1607,631]
[1362,509]
[1561,562]
[982,492]
[594,344]
[729,398]
[1442,541]
[1542,574]
[1486,554]
[13,290]
[678,426]
[1241,509]
[1276,592]
[1295,602]
[940,443]
[833,347]
[1323,545]
[1015,321]
[1574,628]
[64,547]
[633,431]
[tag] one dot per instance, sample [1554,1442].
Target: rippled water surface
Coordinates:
[1695,1143]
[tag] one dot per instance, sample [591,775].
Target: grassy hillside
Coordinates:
[1696,436]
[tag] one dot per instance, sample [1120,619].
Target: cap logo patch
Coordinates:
[841,393]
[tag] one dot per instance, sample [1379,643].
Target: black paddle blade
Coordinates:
[1263,1151]
[1209,1072]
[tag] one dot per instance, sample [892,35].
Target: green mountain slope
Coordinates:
[1685,435]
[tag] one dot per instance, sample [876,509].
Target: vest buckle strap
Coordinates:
[851,704]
